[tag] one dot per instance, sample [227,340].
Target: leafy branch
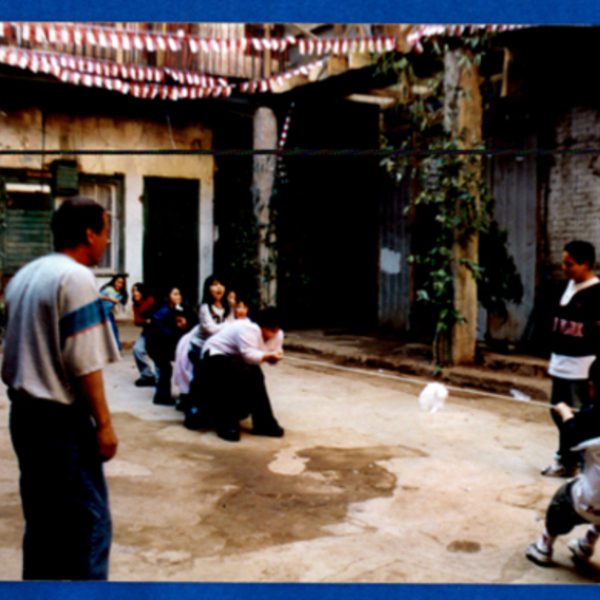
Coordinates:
[452,194]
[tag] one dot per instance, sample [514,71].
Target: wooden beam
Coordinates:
[336,65]
[289,84]
[304,30]
[267,54]
[368,99]
[400,31]
[508,58]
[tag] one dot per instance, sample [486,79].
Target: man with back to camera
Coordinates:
[58,338]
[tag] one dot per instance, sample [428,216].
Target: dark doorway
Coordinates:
[328,219]
[171,224]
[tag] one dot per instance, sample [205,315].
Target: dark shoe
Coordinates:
[183,403]
[164,400]
[231,434]
[145,382]
[273,430]
[194,419]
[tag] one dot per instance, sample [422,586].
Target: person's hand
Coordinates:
[564,410]
[273,357]
[107,442]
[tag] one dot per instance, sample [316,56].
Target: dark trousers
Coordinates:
[68,528]
[164,373]
[224,391]
[561,515]
[575,393]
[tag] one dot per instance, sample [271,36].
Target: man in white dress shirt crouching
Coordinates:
[228,383]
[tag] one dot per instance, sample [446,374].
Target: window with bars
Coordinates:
[107,192]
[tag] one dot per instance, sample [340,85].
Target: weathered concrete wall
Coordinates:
[574,195]
[25,129]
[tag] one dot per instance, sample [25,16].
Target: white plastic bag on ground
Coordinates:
[433,396]
[519,395]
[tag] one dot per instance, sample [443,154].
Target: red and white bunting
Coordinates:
[66,68]
[127,39]
[32,59]
[426,31]
[282,140]
[265,85]
[342,45]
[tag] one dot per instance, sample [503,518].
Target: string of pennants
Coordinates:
[147,81]
[103,74]
[426,31]
[49,34]
[128,78]
[264,85]
[281,172]
[47,62]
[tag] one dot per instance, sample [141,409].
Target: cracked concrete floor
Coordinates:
[364,487]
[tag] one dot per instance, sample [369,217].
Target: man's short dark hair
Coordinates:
[268,318]
[582,252]
[73,218]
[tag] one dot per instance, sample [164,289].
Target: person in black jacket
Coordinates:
[574,341]
[167,325]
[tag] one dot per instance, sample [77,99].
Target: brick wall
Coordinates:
[574,185]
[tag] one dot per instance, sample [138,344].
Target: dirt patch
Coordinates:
[524,496]
[223,498]
[464,546]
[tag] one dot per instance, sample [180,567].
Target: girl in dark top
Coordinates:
[166,327]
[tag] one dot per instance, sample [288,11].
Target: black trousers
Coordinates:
[224,391]
[575,393]
[561,516]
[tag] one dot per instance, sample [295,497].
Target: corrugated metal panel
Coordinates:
[27,234]
[513,182]
[394,269]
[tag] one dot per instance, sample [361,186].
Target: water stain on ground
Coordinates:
[223,498]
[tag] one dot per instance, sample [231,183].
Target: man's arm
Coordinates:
[90,389]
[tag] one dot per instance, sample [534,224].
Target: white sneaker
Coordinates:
[581,551]
[538,556]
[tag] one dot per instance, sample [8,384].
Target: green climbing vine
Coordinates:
[450,193]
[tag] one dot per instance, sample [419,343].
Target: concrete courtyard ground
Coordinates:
[364,487]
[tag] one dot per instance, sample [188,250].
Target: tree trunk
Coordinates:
[263,179]
[462,118]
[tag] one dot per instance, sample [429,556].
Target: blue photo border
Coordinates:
[547,12]
[289,591]
[313,11]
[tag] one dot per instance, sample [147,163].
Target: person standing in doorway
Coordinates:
[58,338]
